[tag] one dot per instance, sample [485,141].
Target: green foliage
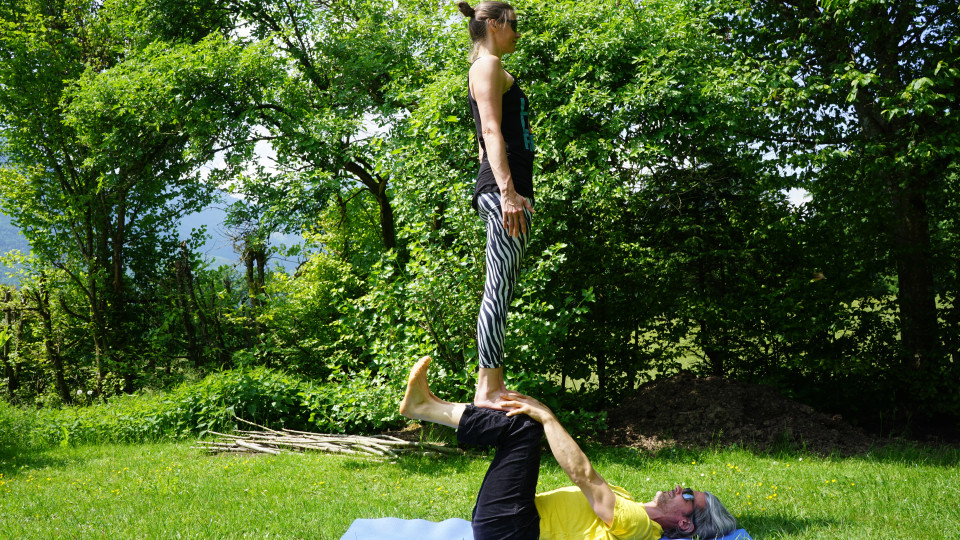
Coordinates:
[99,201]
[361,403]
[666,134]
[15,427]
[258,395]
[266,397]
[873,138]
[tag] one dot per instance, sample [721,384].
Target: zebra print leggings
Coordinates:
[504,254]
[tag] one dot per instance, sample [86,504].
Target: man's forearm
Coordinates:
[578,467]
[569,455]
[567,452]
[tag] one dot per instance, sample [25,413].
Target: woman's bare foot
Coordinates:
[491,389]
[490,400]
[418,398]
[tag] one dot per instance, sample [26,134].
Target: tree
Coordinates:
[860,96]
[104,146]
[624,103]
[326,120]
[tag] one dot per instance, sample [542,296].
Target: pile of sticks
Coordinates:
[269,441]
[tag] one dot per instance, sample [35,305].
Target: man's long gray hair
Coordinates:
[712,521]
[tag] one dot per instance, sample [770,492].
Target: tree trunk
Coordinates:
[910,244]
[51,348]
[205,340]
[919,329]
[222,353]
[97,330]
[10,370]
[907,187]
[122,331]
[254,261]
[377,186]
[181,269]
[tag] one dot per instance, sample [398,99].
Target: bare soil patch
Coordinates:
[688,411]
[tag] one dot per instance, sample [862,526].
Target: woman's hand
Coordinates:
[512,205]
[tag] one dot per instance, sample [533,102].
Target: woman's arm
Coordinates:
[569,455]
[488,82]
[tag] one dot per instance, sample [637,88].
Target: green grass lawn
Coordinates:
[176,491]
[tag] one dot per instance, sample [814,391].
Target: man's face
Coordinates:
[675,507]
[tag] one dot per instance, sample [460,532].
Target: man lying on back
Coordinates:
[508,507]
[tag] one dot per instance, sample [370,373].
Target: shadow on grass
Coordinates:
[764,526]
[442,464]
[899,452]
[15,461]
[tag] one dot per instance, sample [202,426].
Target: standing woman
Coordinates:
[504,188]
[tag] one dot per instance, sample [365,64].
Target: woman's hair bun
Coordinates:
[466,9]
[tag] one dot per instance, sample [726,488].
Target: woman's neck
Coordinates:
[489,49]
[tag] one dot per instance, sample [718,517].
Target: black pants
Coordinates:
[505,509]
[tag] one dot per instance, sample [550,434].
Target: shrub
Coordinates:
[266,397]
[16,426]
[361,403]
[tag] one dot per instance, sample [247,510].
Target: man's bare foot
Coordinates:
[418,398]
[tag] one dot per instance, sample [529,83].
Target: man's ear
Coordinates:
[686,525]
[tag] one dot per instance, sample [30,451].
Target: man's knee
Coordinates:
[527,429]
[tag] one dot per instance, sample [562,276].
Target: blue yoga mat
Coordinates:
[421,529]
[408,529]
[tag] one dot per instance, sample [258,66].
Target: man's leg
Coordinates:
[420,403]
[505,506]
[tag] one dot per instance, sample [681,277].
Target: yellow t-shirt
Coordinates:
[565,514]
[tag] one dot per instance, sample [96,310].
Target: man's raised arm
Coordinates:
[568,454]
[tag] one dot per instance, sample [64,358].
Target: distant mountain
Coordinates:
[218,248]
[10,237]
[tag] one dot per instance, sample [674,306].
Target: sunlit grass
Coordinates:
[173,490]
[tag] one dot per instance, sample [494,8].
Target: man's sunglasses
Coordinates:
[687,495]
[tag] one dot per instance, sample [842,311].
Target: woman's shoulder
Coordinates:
[490,68]
[486,65]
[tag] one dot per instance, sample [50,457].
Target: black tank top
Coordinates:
[515,126]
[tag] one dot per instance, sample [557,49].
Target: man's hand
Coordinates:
[527,405]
